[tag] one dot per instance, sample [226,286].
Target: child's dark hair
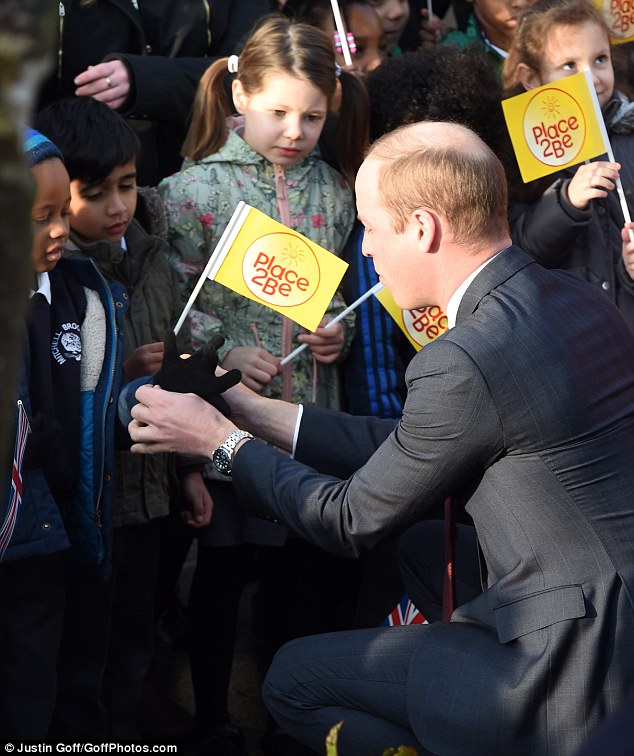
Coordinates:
[93,138]
[308,11]
[437,84]
[533,31]
[279,45]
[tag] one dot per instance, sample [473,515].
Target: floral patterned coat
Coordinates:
[199,201]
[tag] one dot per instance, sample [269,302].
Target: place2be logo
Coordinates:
[281,270]
[619,15]
[424,324]
[554,127]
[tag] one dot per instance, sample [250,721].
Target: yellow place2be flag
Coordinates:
[421,325]
[270,263]
[556,126]
[619,15]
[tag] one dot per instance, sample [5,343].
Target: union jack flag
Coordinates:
[404,613]
[15,499]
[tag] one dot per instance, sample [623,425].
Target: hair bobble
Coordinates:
[232,64]
[352,43]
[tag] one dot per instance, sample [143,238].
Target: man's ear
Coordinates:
[529,78]
[425,229]
[239,96]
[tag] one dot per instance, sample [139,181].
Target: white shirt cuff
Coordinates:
[300,408]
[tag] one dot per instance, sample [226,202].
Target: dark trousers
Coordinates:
[107,641]
[212,614]
[31,617]
[360,676]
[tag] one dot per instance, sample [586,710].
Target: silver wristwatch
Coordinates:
[223,456]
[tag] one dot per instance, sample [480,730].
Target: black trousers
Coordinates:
[360,677]
[107,641]
[32,601]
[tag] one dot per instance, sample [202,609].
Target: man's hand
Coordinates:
[165,421]
[197,374]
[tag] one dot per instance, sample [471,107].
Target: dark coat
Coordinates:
[167,45]
[88,513]
[507,412]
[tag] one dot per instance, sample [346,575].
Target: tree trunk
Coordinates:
[28,33]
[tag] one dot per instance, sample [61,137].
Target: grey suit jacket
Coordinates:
[527,405]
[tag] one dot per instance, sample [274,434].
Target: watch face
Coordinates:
[222,461]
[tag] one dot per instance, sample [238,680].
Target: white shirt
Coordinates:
[43,287]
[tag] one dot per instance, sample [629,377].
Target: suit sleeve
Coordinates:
[449,434]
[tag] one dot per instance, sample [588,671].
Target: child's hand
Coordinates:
[627,250]
[258,366]
[591,181]
[145,360]
[325,343]
[201,504]
[432,29]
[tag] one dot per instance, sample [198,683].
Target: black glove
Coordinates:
[196,375]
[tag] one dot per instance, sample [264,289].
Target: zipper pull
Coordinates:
[62,10]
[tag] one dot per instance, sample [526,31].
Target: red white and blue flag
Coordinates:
[15,499]
[404,613]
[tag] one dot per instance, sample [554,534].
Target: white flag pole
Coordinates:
[376,288]
[341,31]
[217,256]
[608,146]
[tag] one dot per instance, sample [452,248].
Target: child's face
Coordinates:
[284,119]
[499,19]
[570,49]
[103,211]
[393,15]
[50,214]
[365,24]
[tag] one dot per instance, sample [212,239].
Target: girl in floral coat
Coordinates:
[267,157]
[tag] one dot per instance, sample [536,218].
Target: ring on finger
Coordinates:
[109,82]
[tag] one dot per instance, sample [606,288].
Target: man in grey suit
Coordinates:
[523,411]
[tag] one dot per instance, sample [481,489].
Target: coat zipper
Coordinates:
[60,49]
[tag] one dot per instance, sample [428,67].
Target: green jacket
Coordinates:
[143,483]
[473,35]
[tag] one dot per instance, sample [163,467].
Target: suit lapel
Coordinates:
[505,265]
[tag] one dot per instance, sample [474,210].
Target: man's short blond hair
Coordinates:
[447,169]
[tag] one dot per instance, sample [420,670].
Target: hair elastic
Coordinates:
[337,70]
[232,64]
[352,43]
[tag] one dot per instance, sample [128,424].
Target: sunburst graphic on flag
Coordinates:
[551,107]
[293,254]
